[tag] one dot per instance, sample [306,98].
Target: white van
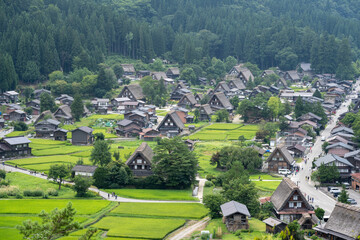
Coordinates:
[284,171]
[323,138]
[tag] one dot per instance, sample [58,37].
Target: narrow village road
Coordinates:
[107,196]
[308,187]
[184,232]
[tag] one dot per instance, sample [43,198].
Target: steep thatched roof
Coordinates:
[283,192]
[344,219]
[144,150]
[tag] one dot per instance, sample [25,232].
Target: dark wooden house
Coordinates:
[343,165]
[37,93]
[280,158]
[290,204]
[140,161]
[219,101]
[179,91]
[222,87]
[82,136]
[205,112]
[134,92]
[171,124]
[173,72]
[46,128]
[235,216]
[128,69]
[13,147]
[63,114]
[128,128]
[274,225]
[60,134]
[187,100]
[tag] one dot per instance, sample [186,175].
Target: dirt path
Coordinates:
[187,231]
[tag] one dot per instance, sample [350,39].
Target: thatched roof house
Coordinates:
[344,223]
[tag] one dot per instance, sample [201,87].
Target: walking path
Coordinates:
[184,232]
[108,196]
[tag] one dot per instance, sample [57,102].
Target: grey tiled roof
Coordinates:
[17,140]
[232,207]
[329,158]
[84,168]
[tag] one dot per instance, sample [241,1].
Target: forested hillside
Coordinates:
[38,37]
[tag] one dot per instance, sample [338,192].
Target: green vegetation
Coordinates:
[267,186]
[174,210]
[154,194]
[26,182]
[138,227]
[107,117]
[257,229]
[34,206]
[225,131]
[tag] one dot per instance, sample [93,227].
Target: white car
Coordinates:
[323,138]
[284,171]
[335,190]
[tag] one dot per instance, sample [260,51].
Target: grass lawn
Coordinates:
[268,186]
[138,227]
[16,133]
[42,164]
[107,117]
[26,182]
[176,210]
[35,206]
[154,194]
[264,176]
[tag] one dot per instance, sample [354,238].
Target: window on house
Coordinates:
[139,161]
[291,204]
[298,205]
[135,167]
[295,197]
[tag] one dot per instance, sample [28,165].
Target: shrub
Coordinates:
[2,174]
[209,184]
[45,196]
[4,182]
[33,193]
[19,196]
[52,192]
[13,191]
[238,233]
[3,194]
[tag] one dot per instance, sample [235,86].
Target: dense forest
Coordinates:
[38,37]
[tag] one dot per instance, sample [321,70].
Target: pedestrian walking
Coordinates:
[115,197]
[108,195]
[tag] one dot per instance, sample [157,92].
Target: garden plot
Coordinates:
[171,210]
[152,228]
[225,131]
[154,194]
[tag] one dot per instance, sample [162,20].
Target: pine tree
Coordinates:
[77,107]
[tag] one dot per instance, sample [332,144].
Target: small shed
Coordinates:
[84,170]
[274,225]
[235,216]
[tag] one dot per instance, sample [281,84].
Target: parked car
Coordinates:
[352,201]
[323,138]
[346,184]
[284,171]
[329,188]
[335,190]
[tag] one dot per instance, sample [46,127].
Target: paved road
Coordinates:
[105,195]
[320,198]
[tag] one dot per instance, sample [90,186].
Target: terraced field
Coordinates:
[225,131]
